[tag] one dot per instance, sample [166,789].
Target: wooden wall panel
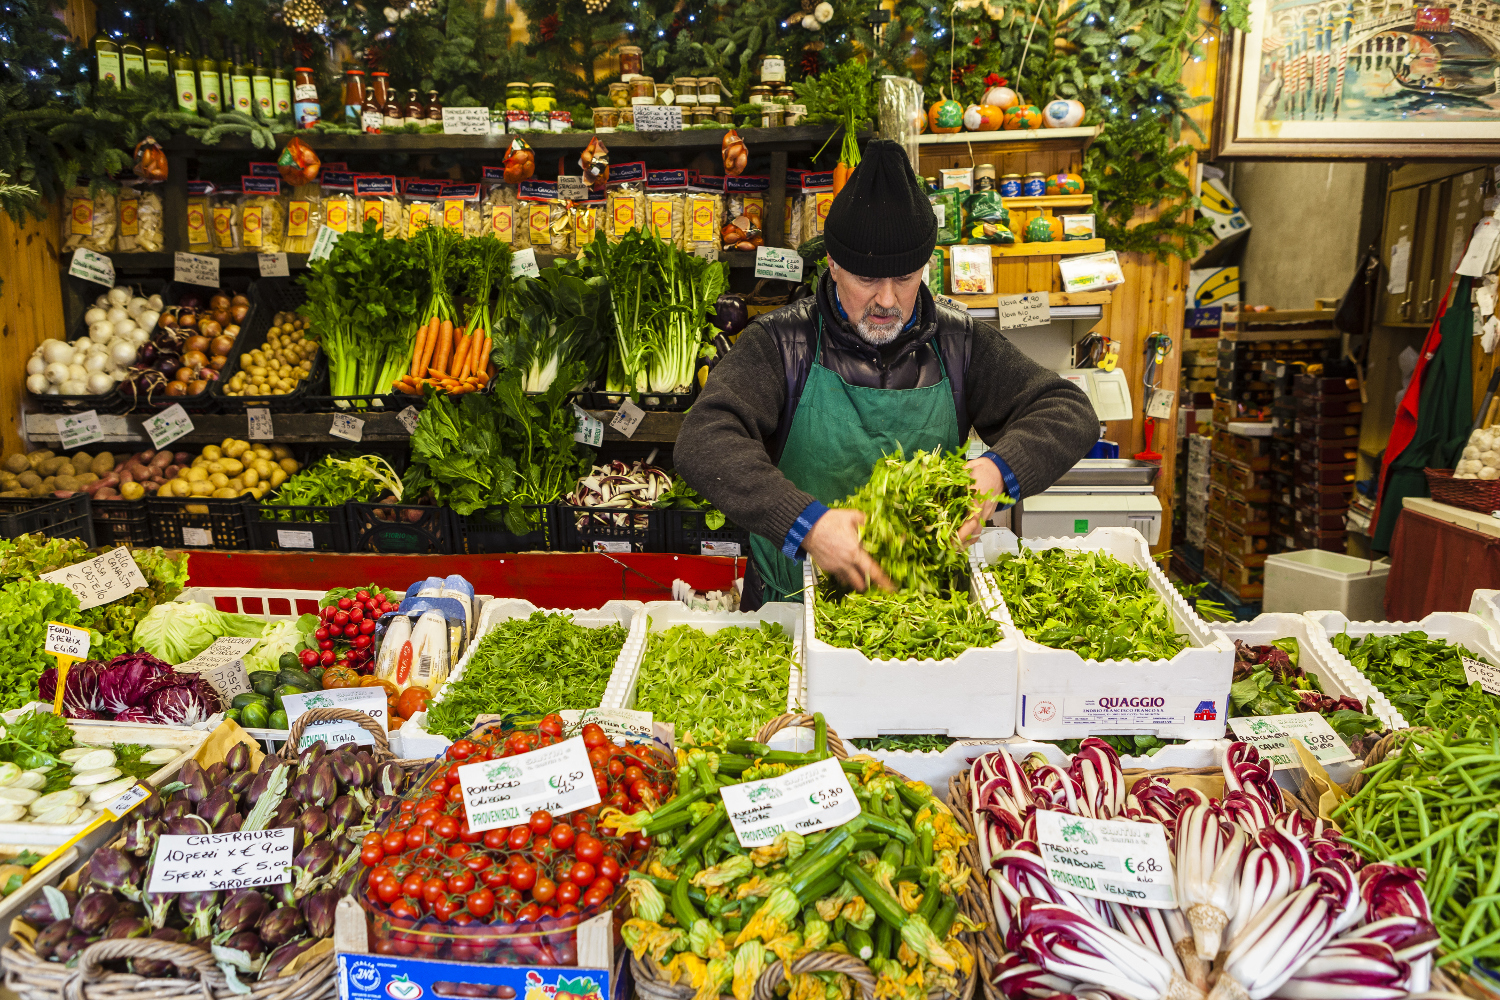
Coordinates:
[30,311]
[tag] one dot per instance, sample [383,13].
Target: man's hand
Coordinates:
[987,480]
[834,545]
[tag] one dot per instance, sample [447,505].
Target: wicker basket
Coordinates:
[34,979]
[976,905]
[651,985]
[1482,495]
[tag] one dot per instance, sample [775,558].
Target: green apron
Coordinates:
[838,434]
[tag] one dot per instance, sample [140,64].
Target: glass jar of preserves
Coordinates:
[642,90]
[772,69]
[627,116]
[686,88]
[630,61]
[518,96]
[759,94]
[795,113]
[606,119]
[1035,185]
[772,115]
[664,93]
[1010,186]
[543,97]
[541,121]
[709,91]
[725,114]
[984,177]
[619,95]
[784,93]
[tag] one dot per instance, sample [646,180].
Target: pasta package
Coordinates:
[340,210]
[199,215]
[262,215]
[224,209]
[541,209]
[704,207]
[461,210]
[587,216]
[304,218]
[817,198]
[91,220]
[141,227]
[379,198]
[625,199]
[503,212]
[423,206]
[666,205]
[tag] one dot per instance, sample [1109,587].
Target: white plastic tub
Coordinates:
[1062,696]
[972,694]
[937,767]
[1486,604]
[1313,579]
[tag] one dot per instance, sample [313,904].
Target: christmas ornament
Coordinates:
[306,16]
[1063,114]
[823,12]
[945,116]
[983,118]
[1043,229]
[997,94]
[548,27]
[1023,116]
[811,23]
[420,7]
[1065,184]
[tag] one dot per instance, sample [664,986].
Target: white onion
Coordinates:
[56,373]
[102,302]
[155,302]
[136,306]
[74,387]
[138,337]
[101,330]
[93,316]
[97,361]
[37,383]
[76,369]
[115,314]
[118,295]
[55,351]
[120,374]
[36,365]
[147,319]
[123,327]
[122,353]
[100,383]
[51,390]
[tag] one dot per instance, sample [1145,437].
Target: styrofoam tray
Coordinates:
[972,694]
[1187,696]
[1486,604]
[416,741]
[658,616]
[1451,626]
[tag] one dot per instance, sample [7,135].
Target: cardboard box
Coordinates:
[1219,206]
[1213,287]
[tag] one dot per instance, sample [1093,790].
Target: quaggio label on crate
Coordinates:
[1272,736]
[1117,710]
[221,665]
[79,429]
[811,798]
[1486,676]
[100,580]
[205,862]
[371,701]
[559,779]
[1107,859]
[382,977]
[168,425]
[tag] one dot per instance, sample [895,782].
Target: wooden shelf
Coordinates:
[1051,201]
[135,263]
[1077,138]
[1056,300]
[1052,249]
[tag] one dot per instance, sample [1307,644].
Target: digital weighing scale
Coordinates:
[1095,493]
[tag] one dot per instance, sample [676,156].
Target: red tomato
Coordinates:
[544,890]
[618,798]
[601,780]
[523,875]
[566,908]
[370,840]
[633,773]
[510,900]
[468,836]
[451,775]
[461,881]
[640,788]
[408,806]
[581,874]
[495,839]
[446,827]
[456,793]
[567,892]
[430,853]
[529,914]
[593,736]
[520,836]
[592,898]
[589,848]
[432,803]
[438,784]
[541,822]
[609,868]
[562,836]
[462,749]
[416,837]
[388,891]
[478,862]
[616,768]
[456,851]
[433,890]
[406,910]
[481,902]
[599,756]
[372,855]
[603,886]
[412,887]
[551,724]
[394,843]
[495,878]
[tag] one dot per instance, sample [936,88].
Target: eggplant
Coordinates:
[240,782]
[51,936]
[152,969]
[282,957]
[176,808]
[345,814]
[94,912]
[127,927]
[241,911]
[213,809]
[45,909]
[140,836]
[729,314]
[230,823]
[184,826]
[69,948]
[281,925]
[237,759]
[318,910]
[198,908]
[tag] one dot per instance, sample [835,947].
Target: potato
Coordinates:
[237,483]
[132,491]
[213,452]
[262,467]
[214,467]
[180,487]
[67,469]
[28,479]
[68,483]
[250,477]
[233,466]
[50,482]
[201,488]
[237,448]
[199,463]
[219,480]
[196,508]
[278,476]
[35,458]
[49,466]
[161,460]
[289,464]
[197,474]
[102,463]
[40,490]
[261,451]
[224,493]
[16,463]
[81,460]
[106,493]
[89,477]
[16,493]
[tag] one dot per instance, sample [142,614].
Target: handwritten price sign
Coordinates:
[504,792]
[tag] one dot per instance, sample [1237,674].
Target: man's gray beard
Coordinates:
[877,335]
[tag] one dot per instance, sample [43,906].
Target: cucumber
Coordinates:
[278,720]
[316,673]
[263,682]
[249,697]
[289,661]
[297,678]
[255,715]
[232,714]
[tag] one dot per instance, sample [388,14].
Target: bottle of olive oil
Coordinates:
[156,53]
[226,77]
[240,85]
[260,84]
[106,55]
[184,75]
[281,90]
[132,59]
[209,90]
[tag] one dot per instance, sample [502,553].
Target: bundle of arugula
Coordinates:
[331,482]
[726,682]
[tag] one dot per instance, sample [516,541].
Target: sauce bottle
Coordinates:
[240,84]
[370,115]
[392,114]
[260,85]
[208,81]
[156,53]
[305,105]
[281,90]
[380,90]
[106,56]
[132,59]
[434,107]
[184,76]
[414,114]
[354,95]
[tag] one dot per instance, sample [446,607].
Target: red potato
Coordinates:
[170,472]
[183,458]
[146,455]
[107,494]
[151,488]
[64,494]
[124,476]
[413,516]
[161,459]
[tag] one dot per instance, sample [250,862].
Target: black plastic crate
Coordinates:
[268,297]
[66,518]
[604,529]
[651,402]
[121,522]
[320,402]
[299,529]
[386,527]
[205,401]
[687,532]
[200,522]
[484,531]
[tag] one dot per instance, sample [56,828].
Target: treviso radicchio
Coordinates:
[185,704]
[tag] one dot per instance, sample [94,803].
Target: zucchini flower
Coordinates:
[910,897]
[759,888]
[660,871]
[749,963]
[829,906]
[955,875]
[717,976]
[872,767]
[612,817]
[920,938]
[772,918]
[895,982]
[788,844]
[699,810]
[704,940]
[815,933]
[760,771]
[645,937]
[787,947]
[858,913]
[959,951]
[686,965]
[646,901]
[806,986]
[922,788]
[948,836]
[735,866]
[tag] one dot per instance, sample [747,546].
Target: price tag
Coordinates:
[100,580]
[222,666]
[273,265]
[658,118]
[609,545]
[168,425]
[719,549]
[347,427]
[1272,736]
[523,264]
[258,424]
[196,269]
[590,429]
[65,640]
[627,418]
[466,121]
[708,251]
[1016,312]
[79,429]
[778,264]
[91,266]
[287,539]
[572,188]
[323,244]
[205,862]
[1160,406]
[371,701]
[1477,671]
[408,418]
[814,797]
[197,537]
[559,779]
[618,723]
[1107,859]
[127,800]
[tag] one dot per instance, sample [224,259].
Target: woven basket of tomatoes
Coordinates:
[514,895]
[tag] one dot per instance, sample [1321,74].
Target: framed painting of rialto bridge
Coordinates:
[1367,79]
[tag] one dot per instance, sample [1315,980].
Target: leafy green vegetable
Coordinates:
[1125,746]
[731,681]
[904,625]
[529,666]
[681,496]
[279,637]
[128,760]
[1424,679]
[564,320]
[916,743]
[331,482]
[35,739]
[180,630]
[1089,602]
[1268,681]
[25,608]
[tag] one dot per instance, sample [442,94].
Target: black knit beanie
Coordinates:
[881,225]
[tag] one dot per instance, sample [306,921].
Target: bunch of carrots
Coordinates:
[456,358]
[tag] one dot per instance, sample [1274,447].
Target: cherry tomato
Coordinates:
[523,875]
[430,853]
[541,822]
[633,773]
[581,874]
[589,848]
[618,798]
[640,788]
[388,891]
[593,736]
[433,890]
[444,907]
[566,908]
[481,902]
[562,836]
[452,773]
[439,785]
[404,909]
[544,890]
[431,803]
[466,835]
[601,780]
[495,878]
[370,840]
[567,892]
[520,836]
[372,855]
[592,898]
[603,886]
[456,793]
[495,839]
[616,768]
[461,881]
[510,899]
[609,868]
[476,862]
[416,836]
[409,806]
[412,886]
[599,756]
[445,827]
[552,725]
[459,850]
[462,749]
[529,914]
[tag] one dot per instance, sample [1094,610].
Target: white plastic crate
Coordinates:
[1314,579]
[972,694]
[258,602]
[936,767]
[1486,604]
[658,616]
[1451,626]
[1186,697]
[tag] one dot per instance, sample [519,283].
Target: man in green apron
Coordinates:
[794,417]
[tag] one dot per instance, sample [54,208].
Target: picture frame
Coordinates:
[1386,80]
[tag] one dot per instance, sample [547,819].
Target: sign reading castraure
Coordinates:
[219,861]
